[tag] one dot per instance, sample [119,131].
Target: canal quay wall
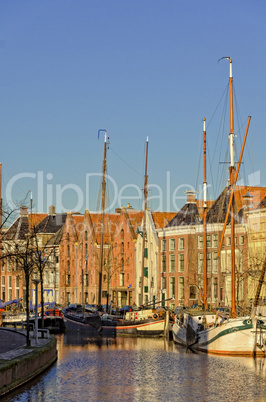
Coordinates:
[21,364]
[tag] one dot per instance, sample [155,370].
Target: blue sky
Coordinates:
[135,68]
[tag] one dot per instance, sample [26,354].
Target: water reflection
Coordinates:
[133,369]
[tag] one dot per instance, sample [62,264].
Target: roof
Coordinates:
[188,215]
[55,240]
[21,226]
[110,225]
[217,212]
[161,219]
[51,223]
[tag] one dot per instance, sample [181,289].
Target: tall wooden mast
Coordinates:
[232,183]
[205,301]
[102,218]
[144,224]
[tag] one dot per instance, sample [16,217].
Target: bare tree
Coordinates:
[23,253]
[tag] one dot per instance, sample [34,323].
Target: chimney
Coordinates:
[52,210]
[23,210]
[247,200]
[191,196]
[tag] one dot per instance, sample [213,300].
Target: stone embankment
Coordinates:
[19,364]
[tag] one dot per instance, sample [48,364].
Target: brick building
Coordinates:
[181,252]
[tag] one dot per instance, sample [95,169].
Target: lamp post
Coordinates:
[76,244]
[36,281]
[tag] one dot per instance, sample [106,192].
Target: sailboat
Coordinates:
[236,335]
[187,323]
[145,322]
[79,320]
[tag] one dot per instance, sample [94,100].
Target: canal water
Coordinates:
[135,369]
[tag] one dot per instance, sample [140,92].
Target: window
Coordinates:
[163,282]
[192,292]
[67,279]
[68,251]
[181,243]
[3,291]
[172,287]
[181,263]
[215,289]
[200,241]
[172,263]
[228,241]
[214,262]
[57,278]
[152,282]
[114,297]
[86,235]
[241,240]
[221,294]
[17,281]
[200,263]
[215,240]
[146,253]
[239,260]
[181,288]
[223,261]
[209,263]
[146,289]
[86,280]
[146,272]
[172,244]
[3,280]
[163,245]
[163,261]
[208,241]
[122,280]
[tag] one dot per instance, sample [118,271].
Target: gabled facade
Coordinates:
[155,221]
[123,254]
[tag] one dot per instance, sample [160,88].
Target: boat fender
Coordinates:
[155,316]
[248,321]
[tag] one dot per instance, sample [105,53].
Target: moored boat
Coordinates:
[138,323]
[236,335]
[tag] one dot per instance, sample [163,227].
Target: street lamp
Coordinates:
[36,282]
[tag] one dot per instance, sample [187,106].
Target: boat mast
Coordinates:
[204,219]
[232,183]
[102,218]
[144,225]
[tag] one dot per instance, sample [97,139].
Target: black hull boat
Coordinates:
[149,325]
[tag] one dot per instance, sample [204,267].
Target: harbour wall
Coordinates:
[21,369]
